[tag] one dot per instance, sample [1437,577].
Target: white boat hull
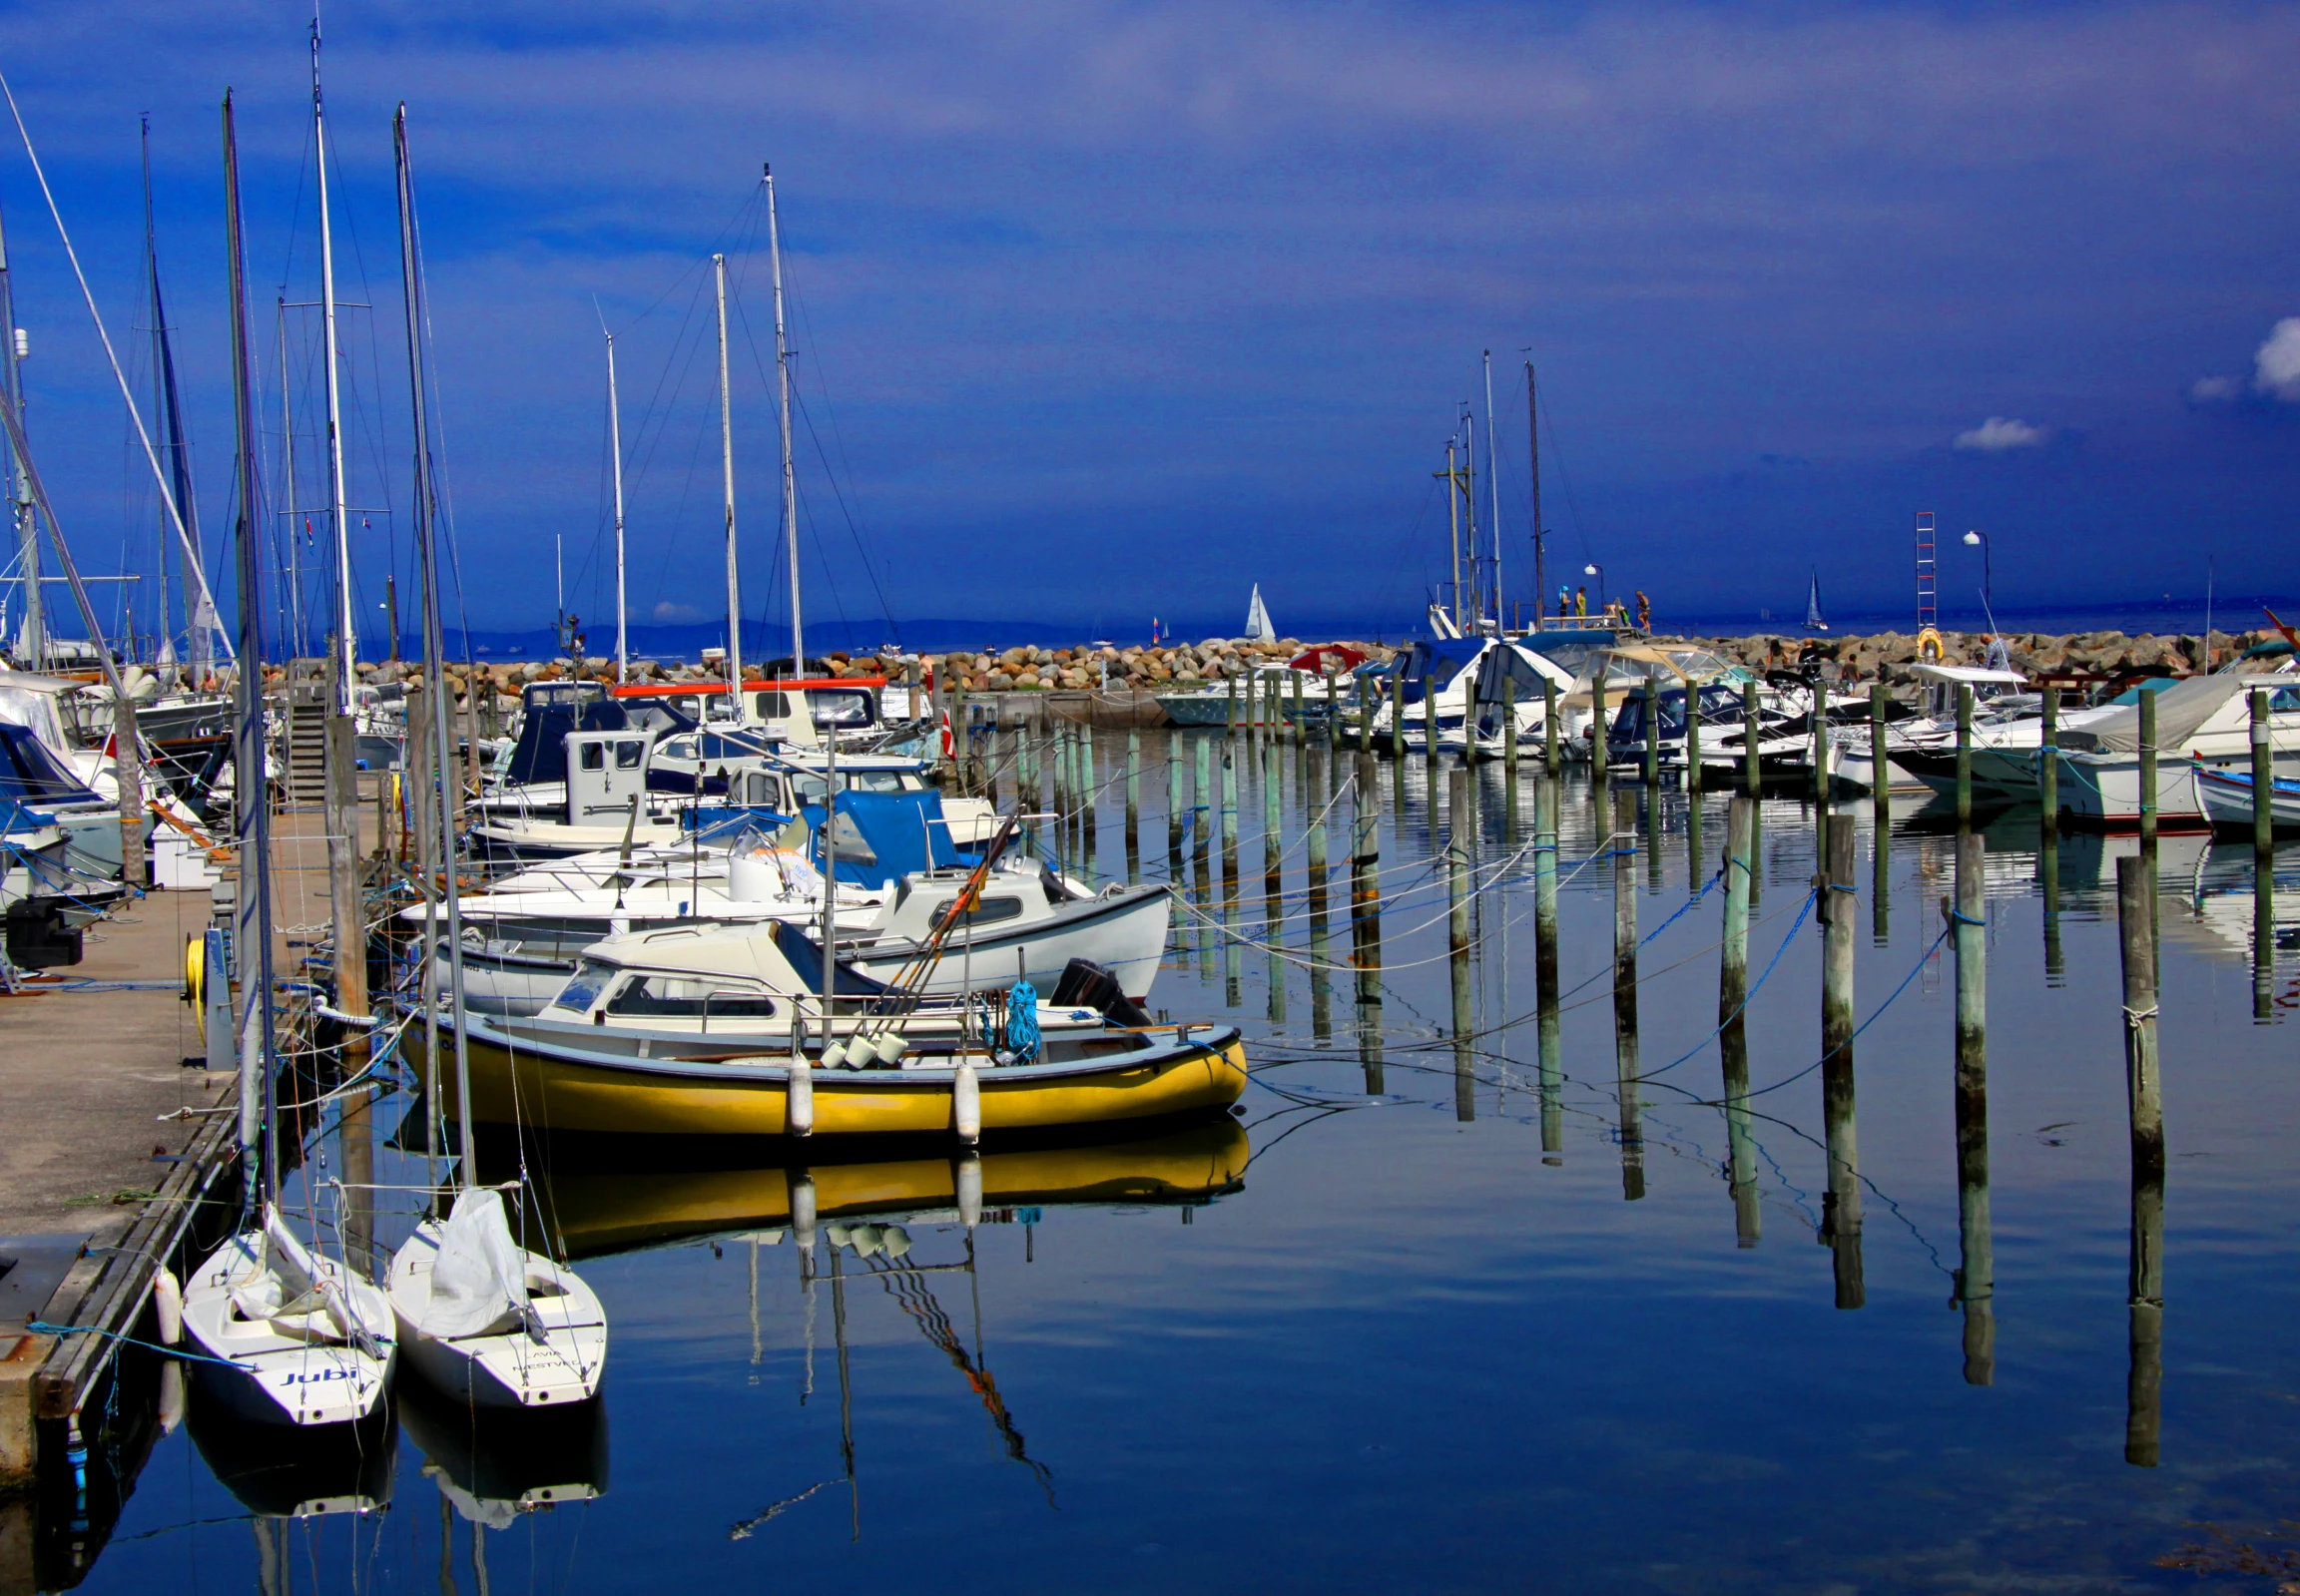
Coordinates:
[514,1370]
[284,1371]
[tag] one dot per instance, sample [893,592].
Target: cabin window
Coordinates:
[584,986]
[841,706]
[627,756]
[679,747]
[593,756]
[690,997]
[770,706]
[990,910]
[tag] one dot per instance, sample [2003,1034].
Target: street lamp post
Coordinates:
[1597,571]
[1980,540]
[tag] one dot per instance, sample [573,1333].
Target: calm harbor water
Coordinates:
[1400,1325]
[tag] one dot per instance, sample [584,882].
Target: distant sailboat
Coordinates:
[1813,621]
[1258,625]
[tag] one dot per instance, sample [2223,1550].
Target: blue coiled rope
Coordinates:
[1022,1021]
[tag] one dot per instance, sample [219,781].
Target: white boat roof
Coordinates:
[1972,674]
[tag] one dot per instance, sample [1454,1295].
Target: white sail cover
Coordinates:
[479,1278]
[2180,709]
[290,1284]
[1258,625]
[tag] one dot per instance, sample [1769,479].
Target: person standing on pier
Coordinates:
[1644,612]
[1581,603]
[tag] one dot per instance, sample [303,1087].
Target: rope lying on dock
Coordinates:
[42,1327]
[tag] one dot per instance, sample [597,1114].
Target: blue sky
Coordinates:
[1112,310]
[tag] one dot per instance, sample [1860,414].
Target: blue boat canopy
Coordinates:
[30,772]
[882,837]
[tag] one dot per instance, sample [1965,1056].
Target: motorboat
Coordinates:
[2201,721]
[2225,796]
[895,873]
[700,1032]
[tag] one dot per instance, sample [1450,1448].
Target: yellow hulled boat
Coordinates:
[559,1078]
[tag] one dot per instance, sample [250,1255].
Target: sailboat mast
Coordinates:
[251,806]
[32,639]
[163,625]
[726,466]
[1470,515]
[168,414]
[434,680]
[297,631]
[347,640]
[615,449]
[1454,523]
[1533,456]
[783,383]
[1494,492]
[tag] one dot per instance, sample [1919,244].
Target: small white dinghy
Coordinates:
[490,1323]
[307,1341]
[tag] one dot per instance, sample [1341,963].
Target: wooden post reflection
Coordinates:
[1733,1035]
[1623,844]
[2135,891]
[1545,963]
[1977,1267]
[1841,1206]
[1313,846]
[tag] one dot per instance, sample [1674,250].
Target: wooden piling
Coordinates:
[1975,1276]
[1733,1020]
[1366,885]
[1272,830]
[1545,961]
[2136,923]
[1840,1206]
[1230,683]
[2049,763]
[1174,805]
[1205,814]
[1509,725]
[1471,708]
[1751,779]
[1651,773]
[1963,754]
[1396,681]
[1133,806]
[1692,736]
[1600,757]
[1321,956]
[1551,753]
[2147,768]
[2136,933]
[1623,843]
[1364,717]
[1089,790]
[1458,844]
[1880,778]
[2264,779]
[1294,731]
[1332,708]
[1227,821]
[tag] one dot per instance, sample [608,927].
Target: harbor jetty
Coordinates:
[1126,673]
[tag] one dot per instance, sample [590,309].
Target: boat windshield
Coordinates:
[30,772]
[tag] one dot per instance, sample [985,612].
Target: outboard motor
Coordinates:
[1086,984]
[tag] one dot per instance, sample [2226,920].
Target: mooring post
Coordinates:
[1294,731]
[1365,716]
[1551,753]
[1623,843]
[1841,1206]
[1458,846]
[1651,773]
[1963,754]
[1545,961]
[2048,765]
[1333,706]
[1472,707]
[1692,736]
[1174,804]
[1090,788]
[1272,828]
[2136,924]
[1880,783]
[1750,779]
[1396,680]
[1509,725]
[2264,779]
[1819,757]
[2147,768]
[1133,806]
[1975,1276]
[1227,819]
[1230,685]
[1733,1020]
[1430,745]
[1321,957]
[1600,757]
[1366,885]
[1205,814]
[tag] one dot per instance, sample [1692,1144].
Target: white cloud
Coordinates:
[1998,433]
[667,613]
[2213,390]
[2277,365]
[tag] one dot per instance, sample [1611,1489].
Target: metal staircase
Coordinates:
[1928,586]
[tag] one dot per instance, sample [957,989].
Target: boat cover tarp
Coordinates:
[479,1278]
[1514,662]
[288,1282]
[30,772]
[1438,662]
[552,710]
[1341,657]
[2180,709]
[883,837]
